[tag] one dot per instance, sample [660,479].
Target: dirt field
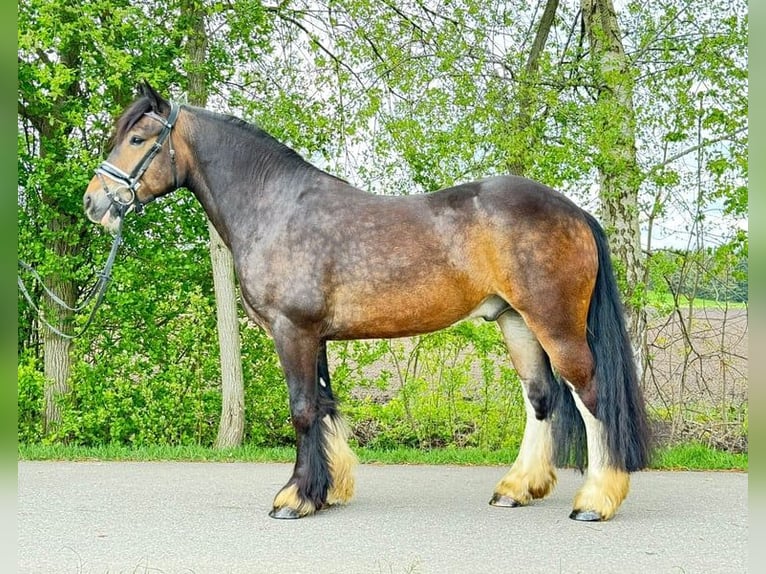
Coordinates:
[699,358]
[698,371]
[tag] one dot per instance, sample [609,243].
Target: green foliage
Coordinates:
[140,393]
[147,371]
[31,383]
[78,65]
[267,412]
[718,274]
[453,388]
[450,388]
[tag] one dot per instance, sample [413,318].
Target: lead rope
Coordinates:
[97,291]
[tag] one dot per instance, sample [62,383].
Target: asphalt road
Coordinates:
[103,517]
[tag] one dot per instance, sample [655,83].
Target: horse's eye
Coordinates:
[136,140]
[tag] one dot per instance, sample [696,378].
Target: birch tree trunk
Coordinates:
[56,349]
[615,140]
[232,425]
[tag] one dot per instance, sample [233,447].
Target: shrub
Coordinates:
[31,383]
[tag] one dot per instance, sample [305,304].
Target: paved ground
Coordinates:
[93,517]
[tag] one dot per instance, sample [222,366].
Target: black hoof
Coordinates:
[284,513]
[504,501]
[585,516]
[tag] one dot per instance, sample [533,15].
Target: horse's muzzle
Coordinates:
[100,209]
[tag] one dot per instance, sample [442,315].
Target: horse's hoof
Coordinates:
[504,501]
[585,516]
[284,513]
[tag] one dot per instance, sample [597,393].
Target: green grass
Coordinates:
[155,453]
[684,457]
[699,457]
[665,301]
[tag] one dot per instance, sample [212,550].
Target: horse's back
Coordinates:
[514,197]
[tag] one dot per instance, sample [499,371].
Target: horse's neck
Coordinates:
[244,180]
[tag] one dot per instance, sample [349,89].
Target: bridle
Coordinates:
[132,181]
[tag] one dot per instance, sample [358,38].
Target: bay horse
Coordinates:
[318,259]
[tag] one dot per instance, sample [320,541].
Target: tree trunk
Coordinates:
[232,425]
[56,366]
[615,140]
[56,358]
[53,127]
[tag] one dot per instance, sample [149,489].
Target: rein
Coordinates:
[96,291]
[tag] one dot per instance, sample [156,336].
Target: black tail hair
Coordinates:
[620,402]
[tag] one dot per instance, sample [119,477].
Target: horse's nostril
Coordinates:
[87,200]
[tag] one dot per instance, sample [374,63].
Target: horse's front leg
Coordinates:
[340,458]
[323,464]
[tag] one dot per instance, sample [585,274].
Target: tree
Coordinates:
[44,114]
[72,74]
[521,125]
[614,142]
[78,67]
[55,60]
[232,423]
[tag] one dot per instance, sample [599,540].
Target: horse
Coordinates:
[318,260]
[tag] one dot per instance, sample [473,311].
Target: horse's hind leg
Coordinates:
[532,474]
[606,484]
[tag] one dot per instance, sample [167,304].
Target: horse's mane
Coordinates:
[143,105]
[282,153]
[265,139]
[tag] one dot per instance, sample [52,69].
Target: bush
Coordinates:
[31,384]
[267,408]
[453,388]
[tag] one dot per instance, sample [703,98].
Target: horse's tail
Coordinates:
[620,404]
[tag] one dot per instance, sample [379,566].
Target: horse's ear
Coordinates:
[158,103]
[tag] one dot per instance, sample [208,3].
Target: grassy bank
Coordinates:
[683,457]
